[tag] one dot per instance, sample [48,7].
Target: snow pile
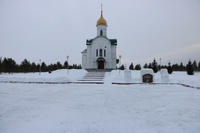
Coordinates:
[62,75]
[127,75]
[164,76]
[182,77]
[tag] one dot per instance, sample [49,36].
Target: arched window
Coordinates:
[101,33]
[101,52]
[97,53]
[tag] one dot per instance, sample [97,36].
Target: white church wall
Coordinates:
[88,56]
[104,44]
[90,61]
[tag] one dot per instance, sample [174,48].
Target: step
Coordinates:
[92,78]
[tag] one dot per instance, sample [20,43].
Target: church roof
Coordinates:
[112,41]
[101,20]
[84,51]
[89,41]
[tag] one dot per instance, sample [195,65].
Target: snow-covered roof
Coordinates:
[112,41]
[84,51]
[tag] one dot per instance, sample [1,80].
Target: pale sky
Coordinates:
[50,30]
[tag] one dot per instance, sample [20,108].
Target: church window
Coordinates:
[101,52]
[104,53]
[97,53]
[101,33]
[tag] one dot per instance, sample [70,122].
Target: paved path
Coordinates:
[92,78]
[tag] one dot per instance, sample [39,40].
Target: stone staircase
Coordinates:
[92,78]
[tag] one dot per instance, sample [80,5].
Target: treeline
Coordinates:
[9,65]
[190,67]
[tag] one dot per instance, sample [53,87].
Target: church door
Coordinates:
[101,64]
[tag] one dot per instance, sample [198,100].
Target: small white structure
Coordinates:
[147,75]
[164,76]
[127,75]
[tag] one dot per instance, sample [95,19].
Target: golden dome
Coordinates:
[101,20]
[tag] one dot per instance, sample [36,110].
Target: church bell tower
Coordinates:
[102,26]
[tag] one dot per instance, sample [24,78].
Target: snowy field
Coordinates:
[91,108]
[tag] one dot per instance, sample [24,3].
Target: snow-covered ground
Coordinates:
[91,108]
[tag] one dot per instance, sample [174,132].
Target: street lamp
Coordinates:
[0,64]
[160,63]
[68,65]
[120,63]
[39,66]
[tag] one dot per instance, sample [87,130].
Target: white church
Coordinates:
[101,51]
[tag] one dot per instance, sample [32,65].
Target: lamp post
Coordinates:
[0,64]
[39,66]
[120,63]
[68,65]
[160,63]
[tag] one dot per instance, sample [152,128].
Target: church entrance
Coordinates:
[100,63]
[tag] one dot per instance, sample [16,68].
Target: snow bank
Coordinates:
[110,77]
[117,76]
[62,75]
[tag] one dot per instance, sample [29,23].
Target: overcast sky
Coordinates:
[145,29]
